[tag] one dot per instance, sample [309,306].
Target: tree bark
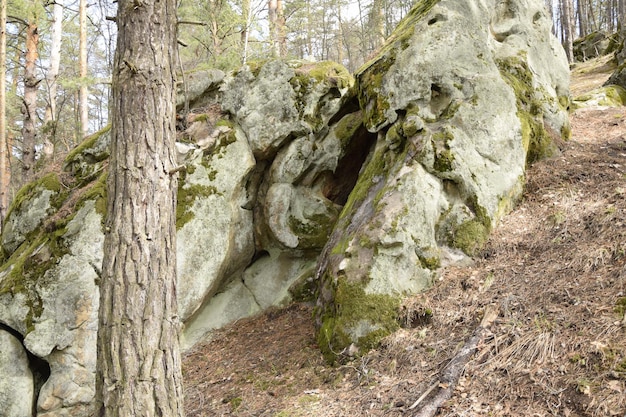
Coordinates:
[281,29]
[272,14]
[566,21]
[51,78]
[246,17]
[378,23]
[83,92]
[139,365]
[29,104]
[4,154]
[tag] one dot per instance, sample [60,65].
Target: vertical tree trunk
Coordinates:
[582,21]
[51,78]
[272,14]
[4,153]
[84,93]
[139,365]
[29,105]
[378,23]
[281,29]
[246,17]
[566,21]
[340,43]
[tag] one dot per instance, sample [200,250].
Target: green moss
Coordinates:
[346,127]
[432,262]
[536,140]
[313,232]
[87,143]
[27,266]
[98,193]
[187,194]
[329,72]
[620,306]
[368,86]
[49,182]
[374,169]
[355,309]
[444,158]
[307,76]
[470,237]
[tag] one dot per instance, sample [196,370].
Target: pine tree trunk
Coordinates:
[272,13]
[51,78]
[29,105]
[281,29]
[4,153]
[139,365]
[566,17]
[83,92]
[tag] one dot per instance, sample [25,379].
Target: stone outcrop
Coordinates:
[619,75]
[300,179]
[595,44]
[17,383]
[461,98]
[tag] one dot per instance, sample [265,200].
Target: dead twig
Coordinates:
[451,373]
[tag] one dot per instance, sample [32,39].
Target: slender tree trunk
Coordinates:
[340,44]
[272,14]
[4,152]
[29,105]
[246,16]
[378,23]
[83,92]
[566,22]
[582,23]
[281,29]
[139,365]
[51,78]
[591,17]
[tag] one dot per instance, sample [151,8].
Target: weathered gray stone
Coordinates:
[461,96]
[264,284]
[283,101]
[31,206]
[218,239]
[16,382]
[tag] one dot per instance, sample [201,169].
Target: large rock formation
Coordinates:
[461,98]
[297,176]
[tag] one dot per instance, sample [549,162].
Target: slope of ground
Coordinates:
[554,271]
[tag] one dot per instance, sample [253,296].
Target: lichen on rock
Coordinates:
[462,96]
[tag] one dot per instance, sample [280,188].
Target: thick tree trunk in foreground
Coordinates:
[4,155]
[139,366]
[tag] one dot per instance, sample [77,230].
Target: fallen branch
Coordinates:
[450,374]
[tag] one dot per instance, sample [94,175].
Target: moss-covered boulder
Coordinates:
[462,96]
[606,96]
[32,204]
[595,44]
[89,159]
[280,100]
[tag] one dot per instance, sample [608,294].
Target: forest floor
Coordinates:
[554,270]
